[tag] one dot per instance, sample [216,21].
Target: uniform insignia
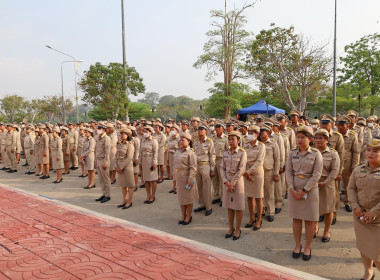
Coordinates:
[314,149]
[209,139]
[352,132]
[296,157]
[363,171]
[242,149]
[377,173]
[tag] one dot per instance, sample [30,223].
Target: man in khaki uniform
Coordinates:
[294,118]
[102,155]
[205,151]
[3,155]
[367,138]
[221,144]
[336,142]
[10,148]
[271,170]
[73,145]
[194,128]
[29,150]
[43,149]
[281,148]
[22,136]
[351,153]
[287,131]
[352,126]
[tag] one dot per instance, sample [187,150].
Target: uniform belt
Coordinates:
[219,157]
[230,173]
[323,177]
[179,170]
[147,155]
[100,157]
[203,162]
[303,176]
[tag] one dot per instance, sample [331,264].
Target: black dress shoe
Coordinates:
[121,205]
[171,191]
[286,195]
[321,218]
[236,237]
[38,174]
[100,198]
[175,192]
[180,222]
[89,187]
[199,209]
[150,202]
[186,223]
[306,257]
[270,218]
[11,171]
[136,189]
[66,173]
[27,173]
[113,182]
[81,176]
[208,212]
[315,234]
[146,201]
[105,199]
[248,225]
[45,177]
[57,182]
[220,204]
[6,169]
[229,235]
[333,221]
[126,207]
[348,208]
[30,173]
[142,186]
[296,255]
[25,164]
[277,210]
[215,201]
[257,228]
[325,239]
[372,278]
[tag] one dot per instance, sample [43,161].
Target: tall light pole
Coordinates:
[75,71]
[334,69]
[124,55]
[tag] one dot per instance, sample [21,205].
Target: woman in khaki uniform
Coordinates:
[65,149]
[161,141]
[136,143]
[88,157]
[57,155]
[254,176]
[81,139]
[303,171]
[173,145]
[44,152]
[232,169]
[113,137]
[326,184]
[364,195]
[169,172]
[148,163]
[184,169]
[124,167]
[36,152]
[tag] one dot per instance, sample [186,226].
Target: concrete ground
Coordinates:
[337,259]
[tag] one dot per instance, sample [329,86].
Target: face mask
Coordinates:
[172,133]
[146,135]
[98,131]
[22,125]
[370,125]
[251,137]
[212,128]
[313,126]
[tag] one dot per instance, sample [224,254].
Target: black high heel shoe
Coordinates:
[229,235]
[257,228]
[307,257]
[186,223]
[297,255]
[121,205]
[236,237]
[248,225]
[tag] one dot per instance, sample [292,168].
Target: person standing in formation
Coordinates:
[72,134]
[81,139]
[113,139]
[184,170]
[160,137]
[232,169]
[254,176]
[66,149]
[88,157]
[10,148]
[29,149]
[173,145]
[57,155]
[44,152]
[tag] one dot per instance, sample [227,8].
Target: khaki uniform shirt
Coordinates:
[272,156]
[136,142]
[360,133]
[44,143]
[194,134]
[173,144]
[186,161]
[351,152]
[81,140]
[73,137]
[233,165]
[295,127]
[289,133]
[161,140]
[103,147]
[220,144]
[124,155]
[149,148]
[281,148]
[11,140]
[29,141]
[205,152]
[88,146]
[331,165]
[363,189]
[255,156]
[65,144]
[336,142]
[367,139]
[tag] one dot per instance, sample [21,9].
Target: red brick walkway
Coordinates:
[42,239]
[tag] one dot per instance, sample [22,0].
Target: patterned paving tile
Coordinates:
[40,239]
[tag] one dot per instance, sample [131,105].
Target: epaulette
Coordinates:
[353,132]
[336,132]
[333,149]
[192,149]
[278,133]
[314,149]
[242,149]
[209,139]
[294,149]
[261,143]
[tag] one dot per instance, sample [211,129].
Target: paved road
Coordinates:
[338,259]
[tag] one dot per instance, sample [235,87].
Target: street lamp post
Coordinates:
[360,104]
[75,71]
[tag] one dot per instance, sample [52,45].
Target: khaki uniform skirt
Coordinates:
[185,196]
[367,239]
[148,175]
[255,189]
[326,197]
[126,178]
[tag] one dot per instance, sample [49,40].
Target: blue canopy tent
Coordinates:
[260,108]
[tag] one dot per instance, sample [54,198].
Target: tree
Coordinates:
[361,65]
[225,49]
[33,108]
[138,110]
[289,67]
[12,106]
[151,98]
[52,108]
[104,86]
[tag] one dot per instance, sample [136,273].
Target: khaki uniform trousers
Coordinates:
[337,197]
[204,185]
[73,156]
[217,181]
[5,158]
[31,161]
[346,178]
[104,177]
[284,185]
[278,192]
[269,195]
[12,159]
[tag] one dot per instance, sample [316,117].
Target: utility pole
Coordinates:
[334,70]
[124,58]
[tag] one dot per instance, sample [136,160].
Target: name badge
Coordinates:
[296,157]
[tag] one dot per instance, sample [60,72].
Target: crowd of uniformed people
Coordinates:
[225,163]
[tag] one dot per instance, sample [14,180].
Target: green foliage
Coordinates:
[105,86]
[150,98]
[12,107]
[289,68]
[138,110]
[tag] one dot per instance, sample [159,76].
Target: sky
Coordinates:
[163,38]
